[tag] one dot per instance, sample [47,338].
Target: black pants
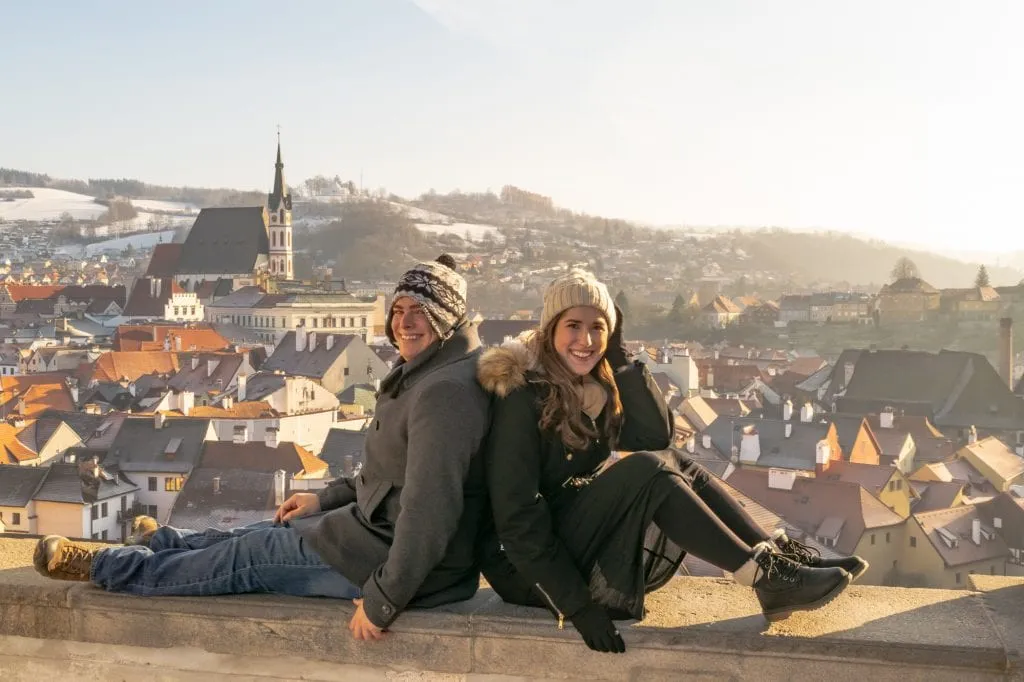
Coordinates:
[694,510]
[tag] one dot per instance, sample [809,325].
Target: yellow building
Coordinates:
[944,546]
[910,299]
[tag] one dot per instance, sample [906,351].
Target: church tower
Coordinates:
[279,212]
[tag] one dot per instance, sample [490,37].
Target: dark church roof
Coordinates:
[280,194]
[225,241]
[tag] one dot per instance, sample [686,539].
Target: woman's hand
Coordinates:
[597,629]
[299,504]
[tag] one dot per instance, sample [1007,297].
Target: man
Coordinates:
[401,533]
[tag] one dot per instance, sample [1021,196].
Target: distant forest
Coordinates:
[106,188]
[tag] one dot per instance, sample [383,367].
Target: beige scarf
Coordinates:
[594,396]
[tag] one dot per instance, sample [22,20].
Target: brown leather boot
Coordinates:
[62,559]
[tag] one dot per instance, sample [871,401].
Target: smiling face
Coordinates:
[581,338]
[410,327]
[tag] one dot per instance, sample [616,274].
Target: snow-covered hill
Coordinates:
[49,204]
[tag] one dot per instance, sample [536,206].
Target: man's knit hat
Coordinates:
[439,289]
[576,288]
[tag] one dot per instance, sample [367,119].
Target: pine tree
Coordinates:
[981,279]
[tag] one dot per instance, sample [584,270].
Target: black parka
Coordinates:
[558,543]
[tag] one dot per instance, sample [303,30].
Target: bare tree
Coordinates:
[905,269]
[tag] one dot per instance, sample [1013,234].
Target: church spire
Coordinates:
[280,194]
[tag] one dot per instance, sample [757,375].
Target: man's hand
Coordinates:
[299,504]
[361,627]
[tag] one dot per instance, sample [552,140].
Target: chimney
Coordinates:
[300,339]
[329,341]
[787,410]
[807,413]
[886,418]
[781,479]
[167,340]
[279,478]
[21,405]
[270,437]
[789,430]
[243,381]
[976,531]
[177,343]
[691,444]
[972,435]
[195,362]
[822,456]
[1006,350]
[73,389]
[158,420]
[211,367]
[131,389]
[240,434]
[750,446]
[152,287]
[350,465]
[228,402]
[312,341]
[216,485]
[711,377]
[997,522]
[1020,450]
[187,401]
[705,441]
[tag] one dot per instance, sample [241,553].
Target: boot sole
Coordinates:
[864,566]
[786,612]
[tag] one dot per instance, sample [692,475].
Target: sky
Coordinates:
[900,120]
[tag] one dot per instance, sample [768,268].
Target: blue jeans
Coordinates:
[261,557]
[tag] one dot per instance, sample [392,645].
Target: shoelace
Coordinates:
[777,565]
[75,559]
[801,552]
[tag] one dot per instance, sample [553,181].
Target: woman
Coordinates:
[586,537]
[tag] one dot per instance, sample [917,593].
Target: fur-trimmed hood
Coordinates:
[503,369]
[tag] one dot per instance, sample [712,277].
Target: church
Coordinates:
[244,245]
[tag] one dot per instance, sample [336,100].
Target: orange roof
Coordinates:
[20,292]
[250,409]
[40,392]
[12,450]
[151,337]
[118,365]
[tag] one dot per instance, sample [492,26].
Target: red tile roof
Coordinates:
[120,365]
[40,392]
[151,337]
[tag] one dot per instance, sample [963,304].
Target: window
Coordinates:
[892,486]
[151,510]
[104,511]
[991,571]
[124,502]
[152,484]
[899,484]
[363,322]
[888,537]
[103,535]
[872,538]
[958,578]
[346,371]
[192,310]
[316,322]
[913,541]
[176,311]
[95,513]
[95,536]
[172,484]
[16,520]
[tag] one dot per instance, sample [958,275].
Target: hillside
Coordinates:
[836,257]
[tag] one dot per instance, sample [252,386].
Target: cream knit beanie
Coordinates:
[576,288]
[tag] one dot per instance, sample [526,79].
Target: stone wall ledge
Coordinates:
[697,628]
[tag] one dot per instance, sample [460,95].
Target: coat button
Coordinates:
[386,609]
[568,456]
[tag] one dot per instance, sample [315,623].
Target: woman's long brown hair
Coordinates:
[562,407]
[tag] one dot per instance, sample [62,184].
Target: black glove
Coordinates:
[616,353]
[597,629]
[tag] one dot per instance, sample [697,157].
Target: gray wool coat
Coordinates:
[406,527]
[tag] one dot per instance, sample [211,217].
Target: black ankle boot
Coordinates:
[783,585]
[808,556]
